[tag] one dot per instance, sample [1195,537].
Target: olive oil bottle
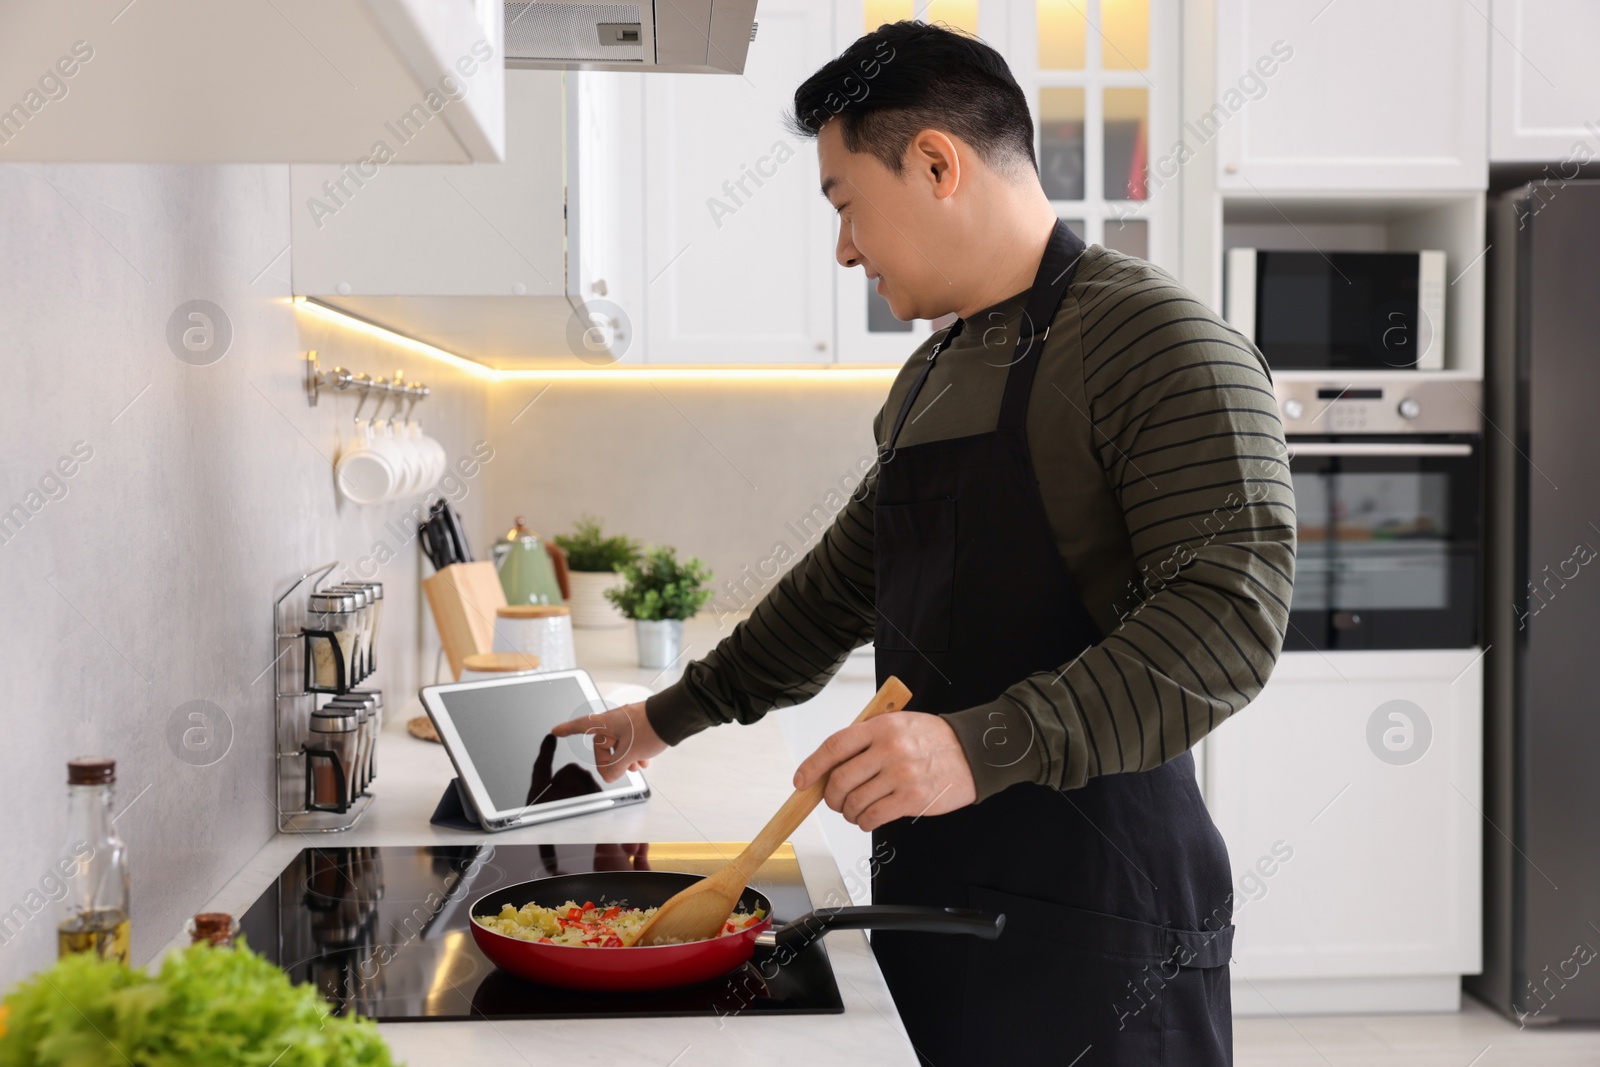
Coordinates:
[94,915]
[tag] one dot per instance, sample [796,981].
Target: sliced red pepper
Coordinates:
[574,913]
[546,941]
[592,940]
[588,905]
[612,912]
[612,942]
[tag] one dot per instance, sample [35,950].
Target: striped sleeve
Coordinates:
[1188,435]
[795,639]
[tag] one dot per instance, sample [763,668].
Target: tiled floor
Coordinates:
[1474,1037]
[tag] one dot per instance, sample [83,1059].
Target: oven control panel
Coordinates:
[1389,405]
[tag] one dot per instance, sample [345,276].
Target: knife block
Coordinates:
[463,598]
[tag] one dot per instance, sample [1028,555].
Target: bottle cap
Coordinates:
[212,926]
[91,770]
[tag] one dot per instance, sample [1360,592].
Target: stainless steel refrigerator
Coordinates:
[1542,670]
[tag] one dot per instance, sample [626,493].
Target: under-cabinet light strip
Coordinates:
[618,373]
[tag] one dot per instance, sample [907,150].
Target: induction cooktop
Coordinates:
[383,932]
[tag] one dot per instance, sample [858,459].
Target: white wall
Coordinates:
[148,582]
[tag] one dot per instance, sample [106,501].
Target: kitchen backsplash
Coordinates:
[744,475]
[166,496]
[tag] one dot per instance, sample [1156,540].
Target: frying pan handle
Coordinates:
[927,920]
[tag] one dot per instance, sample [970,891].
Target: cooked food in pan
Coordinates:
[586,925]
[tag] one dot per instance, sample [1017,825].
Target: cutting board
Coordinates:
[463,598]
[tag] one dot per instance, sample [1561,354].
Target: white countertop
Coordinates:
[721,785]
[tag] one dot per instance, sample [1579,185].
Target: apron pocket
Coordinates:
[914,553]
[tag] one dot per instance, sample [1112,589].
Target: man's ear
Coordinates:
[934,158]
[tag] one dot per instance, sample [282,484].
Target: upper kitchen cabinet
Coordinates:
[364,82]
[1545,101]
[493,262]
[738,247]
[1407,108]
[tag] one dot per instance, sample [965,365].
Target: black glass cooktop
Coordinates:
[383,932]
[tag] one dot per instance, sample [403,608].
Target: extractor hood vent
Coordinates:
[690,36]
[560,32]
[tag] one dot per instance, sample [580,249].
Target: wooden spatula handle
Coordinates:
[893,696]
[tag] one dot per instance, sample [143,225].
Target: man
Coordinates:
[1076,550]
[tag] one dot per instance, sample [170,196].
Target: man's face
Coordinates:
[887,226]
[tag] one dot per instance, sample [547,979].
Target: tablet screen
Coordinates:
[505,730]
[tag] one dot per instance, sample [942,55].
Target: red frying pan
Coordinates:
[619,970]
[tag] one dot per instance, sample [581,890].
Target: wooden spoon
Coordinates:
[697,913]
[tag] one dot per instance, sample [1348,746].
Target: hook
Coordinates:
[416,392]
[398,389]
[365,384]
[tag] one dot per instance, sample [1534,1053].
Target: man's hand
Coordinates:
[900,764]
[624,740]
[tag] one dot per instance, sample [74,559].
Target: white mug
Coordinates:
[364,472]
[410,459]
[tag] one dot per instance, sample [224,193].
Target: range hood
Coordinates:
[686,36]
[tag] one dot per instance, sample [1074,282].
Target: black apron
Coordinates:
[1116,895]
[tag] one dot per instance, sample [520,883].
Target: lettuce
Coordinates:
[205,1006]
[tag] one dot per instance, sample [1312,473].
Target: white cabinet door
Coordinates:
[737,238]
[1348,860]
[605,206]
[438,230]
[1544,101]
[1348,95]
[288,81]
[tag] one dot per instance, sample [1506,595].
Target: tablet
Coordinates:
[513,770]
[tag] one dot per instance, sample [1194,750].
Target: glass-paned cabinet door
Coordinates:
[867,330]
[1102,77]
[1102,81]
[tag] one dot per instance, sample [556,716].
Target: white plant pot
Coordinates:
[590,608]
[660,642]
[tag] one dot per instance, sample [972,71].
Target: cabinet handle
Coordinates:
[1232,168]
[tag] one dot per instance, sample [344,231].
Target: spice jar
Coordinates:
[362,657]
[330,641]
[331,759]
[216,928]
[375,704]
[364,707]
[543,630]
[376,589]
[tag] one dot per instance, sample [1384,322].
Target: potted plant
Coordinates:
[594,562]
[659,593]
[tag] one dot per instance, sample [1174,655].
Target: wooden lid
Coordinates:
[487,662]
[421,727]
[531,611]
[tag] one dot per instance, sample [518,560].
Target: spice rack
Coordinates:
[294,700]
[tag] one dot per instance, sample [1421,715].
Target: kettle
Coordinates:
[526,573]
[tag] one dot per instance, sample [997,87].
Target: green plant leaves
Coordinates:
[588,549]
[205,1006]
[660,587]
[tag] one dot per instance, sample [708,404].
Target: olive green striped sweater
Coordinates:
[1163,471]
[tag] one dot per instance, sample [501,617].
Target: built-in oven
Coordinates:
[1388,486]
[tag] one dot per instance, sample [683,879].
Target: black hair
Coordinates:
[906,77]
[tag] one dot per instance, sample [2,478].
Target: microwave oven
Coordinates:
[1344,311]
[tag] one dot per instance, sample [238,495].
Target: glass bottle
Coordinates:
[94,913]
